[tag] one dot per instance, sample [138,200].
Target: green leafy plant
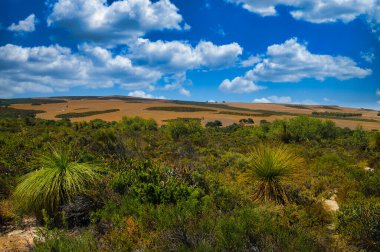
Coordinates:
[272,167]
[55,184]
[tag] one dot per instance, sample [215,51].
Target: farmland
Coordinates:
[161,110]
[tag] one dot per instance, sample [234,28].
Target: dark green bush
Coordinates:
[359,221]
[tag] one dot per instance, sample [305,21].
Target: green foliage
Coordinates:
[335,114]
[151,184]
[181,187]
[271,167]
[238,113]
[301,129]
[84,114]
[246,121]
[332,107]
[138,124]
[359,221]
[374,141]
[359,138]
[181,128]
[55,184]
[29,100]
[213,124]
[6,112]
[297,106]
[48,240]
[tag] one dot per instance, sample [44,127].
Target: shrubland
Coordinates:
[131,185]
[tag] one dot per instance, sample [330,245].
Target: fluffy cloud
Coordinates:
[26,25]
[316,11]
[142,94]
[252,60]
[177,56]
[56,68]
[239,85]
[274,99]
[319,11]
[185,92]
[114,23]
[292,62]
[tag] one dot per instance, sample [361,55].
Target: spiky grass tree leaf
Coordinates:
[272,167]
[55,184]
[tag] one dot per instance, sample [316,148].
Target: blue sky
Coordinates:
[284,51]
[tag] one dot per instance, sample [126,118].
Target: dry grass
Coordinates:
[140,109]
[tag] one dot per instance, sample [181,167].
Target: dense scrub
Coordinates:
[335,114]
[184,187]
[84,114]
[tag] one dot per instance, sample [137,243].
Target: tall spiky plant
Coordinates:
[272,167]
[55,184]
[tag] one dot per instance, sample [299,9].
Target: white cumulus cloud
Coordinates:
[274,99]
[115,23]
[56,68]
[176,56]
[319,11]
[252,60]
[239,85]
[185,92]
[292,62]
[26,25]
[142,94]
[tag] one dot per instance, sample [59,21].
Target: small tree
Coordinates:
[215,123]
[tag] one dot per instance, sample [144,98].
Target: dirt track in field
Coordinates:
[128,108]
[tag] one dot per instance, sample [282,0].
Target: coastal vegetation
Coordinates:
[133,185]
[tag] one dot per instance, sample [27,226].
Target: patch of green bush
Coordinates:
[84,114]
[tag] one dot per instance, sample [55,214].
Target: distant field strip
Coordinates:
[297,106]
[237,113]
[347,118]
[332,107]
[30,100]
[336,114]
[84,114]
[228,107]
[180,109]
[18,113]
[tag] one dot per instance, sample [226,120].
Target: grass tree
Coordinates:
[58,181]
[272,167]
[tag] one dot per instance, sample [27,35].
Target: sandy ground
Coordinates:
[139,109]
[17,240]
[21,239]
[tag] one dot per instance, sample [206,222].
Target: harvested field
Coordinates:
[163,110]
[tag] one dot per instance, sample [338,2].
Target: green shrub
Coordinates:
[84,114]
[138,124]
[55,184]
[149,183]
[271,167]
[181,128]
[359,222]
[213,124]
